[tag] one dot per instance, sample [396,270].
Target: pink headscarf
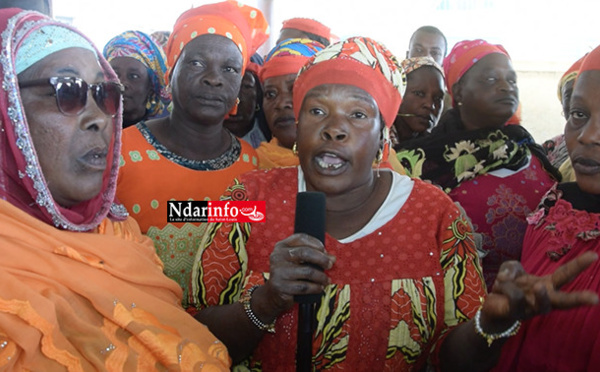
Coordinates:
[22,182]
[464,55]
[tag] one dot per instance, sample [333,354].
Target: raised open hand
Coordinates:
[517,295]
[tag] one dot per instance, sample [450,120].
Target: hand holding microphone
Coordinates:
[310,219]
[297,262]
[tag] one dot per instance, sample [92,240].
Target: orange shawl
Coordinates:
[92,301]
[272,155]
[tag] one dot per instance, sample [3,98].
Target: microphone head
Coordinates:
[310,214]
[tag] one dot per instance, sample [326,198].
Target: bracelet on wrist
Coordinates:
[245,301]
[491,337]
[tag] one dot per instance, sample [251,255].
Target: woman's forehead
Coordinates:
[75,61]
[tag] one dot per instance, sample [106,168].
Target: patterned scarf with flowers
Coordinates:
[452,155]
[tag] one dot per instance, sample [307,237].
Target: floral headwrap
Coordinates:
[463,56]
[242,24]
[569,75]
[411,64]
[308,25]
[22,182]
[138,45]
[360,62]
[357,61]
[288,57]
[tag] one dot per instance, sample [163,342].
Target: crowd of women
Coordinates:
[450,241]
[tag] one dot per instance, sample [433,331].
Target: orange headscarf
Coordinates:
[242,24]
[308,25]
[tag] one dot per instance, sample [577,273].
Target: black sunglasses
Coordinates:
[71,94]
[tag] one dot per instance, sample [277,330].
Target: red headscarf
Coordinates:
[569,75]
[308,25]
[22,182]
[591,61]
[463,56]
[360,62]
[244,25]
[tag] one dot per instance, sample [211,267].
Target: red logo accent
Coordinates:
[237,211]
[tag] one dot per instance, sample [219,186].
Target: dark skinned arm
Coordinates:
[516,295]
[289,276]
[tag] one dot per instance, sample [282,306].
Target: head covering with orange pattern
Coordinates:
[244,25]
[411,64]
[360,62]
[288,57]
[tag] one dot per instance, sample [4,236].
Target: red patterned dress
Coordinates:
[497,206]
[395,292]
[567,340]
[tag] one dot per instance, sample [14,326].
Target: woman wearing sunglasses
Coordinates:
[189,155]
[82,289]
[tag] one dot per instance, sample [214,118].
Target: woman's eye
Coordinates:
[231,69]
[577,115]
[270,94]
[134,76]
[359,115]
[419,93]
[316,111]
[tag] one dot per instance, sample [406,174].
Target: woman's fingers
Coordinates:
[297,266]
[518,295]
[567,272]
[568,300]
[303,249]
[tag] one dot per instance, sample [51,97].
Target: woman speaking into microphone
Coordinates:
[398,285]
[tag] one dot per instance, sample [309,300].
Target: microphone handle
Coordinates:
[306,318]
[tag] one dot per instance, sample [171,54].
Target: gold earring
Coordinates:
[379,157]
[234,109]
[295,148]
[150,103]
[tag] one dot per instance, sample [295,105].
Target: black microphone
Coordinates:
[310,219]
